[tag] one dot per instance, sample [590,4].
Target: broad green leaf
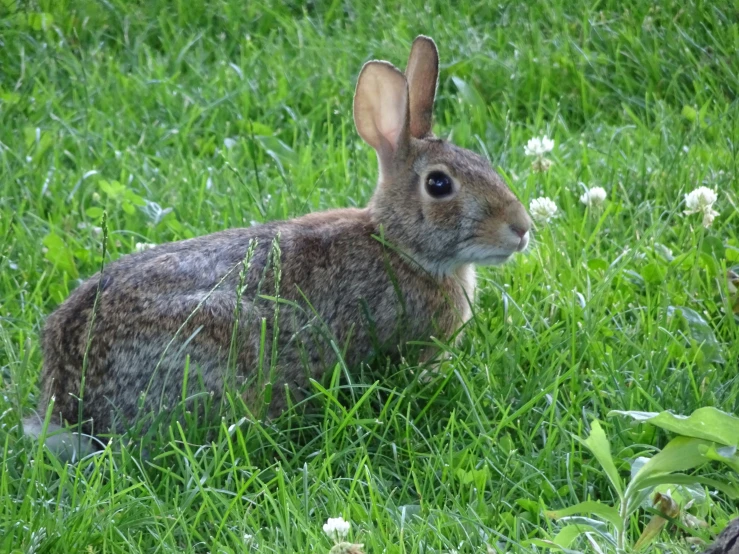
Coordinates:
[682,493]
[680,454]
[598,264]
[713,246]
[133,198]
[506,444]
[15,20]
[112,188]
[650,532]
[10,5]
[689,113]
[551,545]
[575,526]
[709,262]
[29,135]
[598,444]
[9,97]
[94,212]
[730,490]
[567,535]
[637,464]
[478,477]
[528,505]
[654,273]
[705,423]
[58,254]
[591,525]
[258,128]
[593,507]
[726,454]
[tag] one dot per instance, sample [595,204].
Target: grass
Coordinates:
[125,106]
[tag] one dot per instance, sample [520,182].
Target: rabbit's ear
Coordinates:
[381,110]
[422,74]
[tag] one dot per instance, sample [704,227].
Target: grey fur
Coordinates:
[374,279]
[67,445]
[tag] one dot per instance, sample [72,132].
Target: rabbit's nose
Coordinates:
[524,241]
[519,224]
[520,231]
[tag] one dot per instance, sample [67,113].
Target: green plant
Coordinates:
[233,113]
[121,194]
[706,435]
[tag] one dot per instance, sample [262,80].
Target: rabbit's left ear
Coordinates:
[381,111]
[422,75]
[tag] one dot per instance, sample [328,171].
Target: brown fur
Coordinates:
[370,279]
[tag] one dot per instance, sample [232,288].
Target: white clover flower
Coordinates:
[250,542]
[594,196]
[541,165]
[542,209]
[538,146]
[141,246]
[708,217]
[701,200]
[336,528]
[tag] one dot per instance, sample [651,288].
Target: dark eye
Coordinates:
[439,184]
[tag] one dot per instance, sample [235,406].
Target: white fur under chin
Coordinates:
[66,445]
[483,255]
[468,256]
[467,276]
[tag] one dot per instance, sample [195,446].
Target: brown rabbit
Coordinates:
[371,280]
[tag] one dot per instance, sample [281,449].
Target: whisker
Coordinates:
[472,218]
[469,238]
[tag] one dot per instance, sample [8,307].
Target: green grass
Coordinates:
[641,99]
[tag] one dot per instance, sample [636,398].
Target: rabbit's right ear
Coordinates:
[422,74]
[381,110]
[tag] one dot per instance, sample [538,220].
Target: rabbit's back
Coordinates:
[337,282]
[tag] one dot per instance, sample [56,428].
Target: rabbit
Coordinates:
[361,282]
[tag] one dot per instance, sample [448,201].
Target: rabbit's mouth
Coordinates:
[480,254]
[497,260]
[493,260]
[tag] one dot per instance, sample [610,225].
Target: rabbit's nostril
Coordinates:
[524,242]
[520,231]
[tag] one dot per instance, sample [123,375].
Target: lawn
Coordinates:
[179,119]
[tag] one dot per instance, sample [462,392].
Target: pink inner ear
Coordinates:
[381,108]
[391,111]
[392,135]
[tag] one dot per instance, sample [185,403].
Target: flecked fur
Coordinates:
[371,279]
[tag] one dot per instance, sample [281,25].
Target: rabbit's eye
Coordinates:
[439,184]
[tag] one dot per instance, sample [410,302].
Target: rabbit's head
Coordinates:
[443,204]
